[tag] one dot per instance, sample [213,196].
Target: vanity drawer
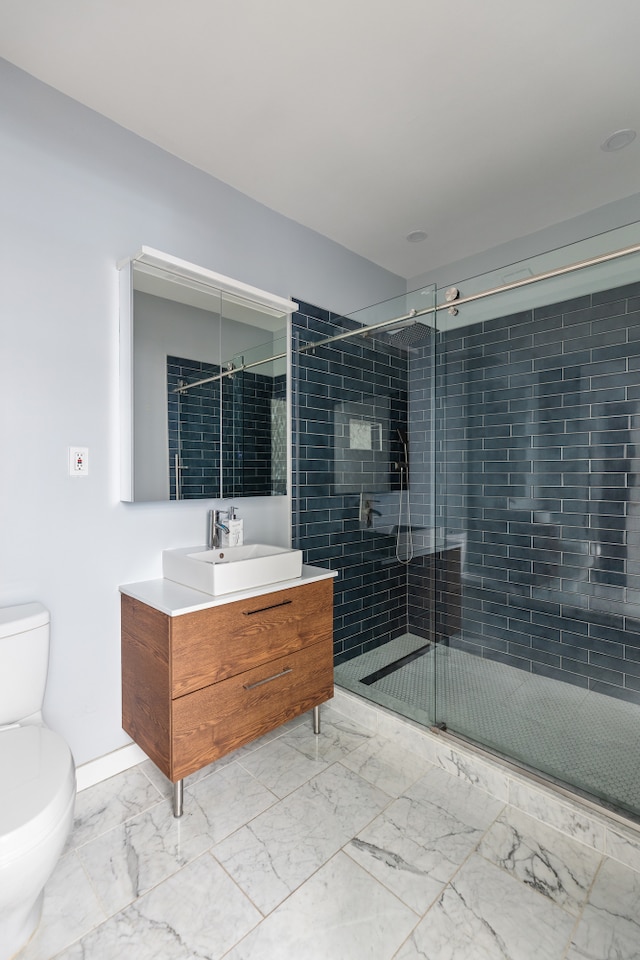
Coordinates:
[213,721]
[215,644]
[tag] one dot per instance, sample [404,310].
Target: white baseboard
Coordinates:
[95,771]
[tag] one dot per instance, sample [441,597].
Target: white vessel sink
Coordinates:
[227,569]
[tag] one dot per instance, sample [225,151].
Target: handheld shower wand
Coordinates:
[403,467]
[402,436]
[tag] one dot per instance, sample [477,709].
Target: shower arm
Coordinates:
[459,301]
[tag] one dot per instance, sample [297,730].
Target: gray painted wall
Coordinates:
[609,217]
[79,194]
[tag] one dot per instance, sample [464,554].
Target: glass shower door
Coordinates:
[538,413]
[363,491]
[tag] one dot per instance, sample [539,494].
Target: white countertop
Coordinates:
[174,599]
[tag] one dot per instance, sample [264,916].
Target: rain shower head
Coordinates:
[414,334]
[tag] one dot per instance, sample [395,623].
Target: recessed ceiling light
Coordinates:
[618,140]
[416,236]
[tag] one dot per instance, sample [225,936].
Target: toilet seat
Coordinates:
[39,788]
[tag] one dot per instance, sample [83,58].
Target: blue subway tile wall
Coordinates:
[539,446]
[433,601]
[350,401]
[527,442]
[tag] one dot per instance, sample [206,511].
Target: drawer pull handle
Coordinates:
[250,686]
[283,603]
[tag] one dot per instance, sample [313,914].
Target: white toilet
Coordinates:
[38,779]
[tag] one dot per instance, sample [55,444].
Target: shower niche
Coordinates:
[361,448]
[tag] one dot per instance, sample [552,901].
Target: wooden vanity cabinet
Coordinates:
[198,685]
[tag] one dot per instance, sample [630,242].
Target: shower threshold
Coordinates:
[543,725]
[571,792]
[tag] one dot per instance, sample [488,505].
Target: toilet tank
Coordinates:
[24,660]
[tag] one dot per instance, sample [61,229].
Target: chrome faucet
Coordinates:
[215,527]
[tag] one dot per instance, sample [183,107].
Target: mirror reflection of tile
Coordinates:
[248,430]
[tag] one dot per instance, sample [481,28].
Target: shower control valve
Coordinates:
[367,512]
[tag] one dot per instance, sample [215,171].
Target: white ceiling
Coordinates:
[477,121]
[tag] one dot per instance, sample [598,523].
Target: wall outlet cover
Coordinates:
[78,461]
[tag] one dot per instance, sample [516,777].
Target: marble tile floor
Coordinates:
[346,846]
[551,726]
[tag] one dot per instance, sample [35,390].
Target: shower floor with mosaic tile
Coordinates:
[584,739]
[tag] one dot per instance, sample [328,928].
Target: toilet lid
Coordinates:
[38,782]
[23,617]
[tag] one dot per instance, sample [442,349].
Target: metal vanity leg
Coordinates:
[316,720]
[178,794]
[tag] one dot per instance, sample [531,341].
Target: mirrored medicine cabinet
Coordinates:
[203,380]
